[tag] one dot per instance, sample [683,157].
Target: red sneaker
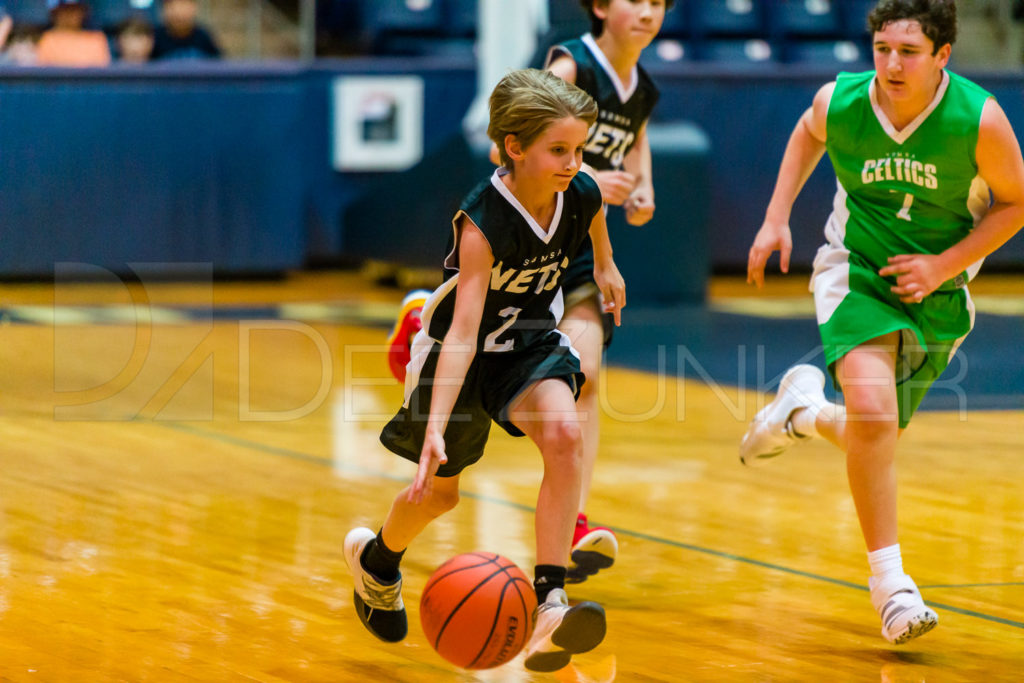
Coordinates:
[593,549]
[407,325]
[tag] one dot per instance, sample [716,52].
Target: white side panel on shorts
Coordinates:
[830,281]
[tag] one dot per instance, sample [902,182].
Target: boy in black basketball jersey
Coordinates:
[604,64]
[489,350]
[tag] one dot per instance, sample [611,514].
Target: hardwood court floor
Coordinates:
[176,486]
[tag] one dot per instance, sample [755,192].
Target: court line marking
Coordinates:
[382,314]
[327,462]
[997,584]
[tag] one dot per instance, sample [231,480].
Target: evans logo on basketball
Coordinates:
[510,648]
[517,281]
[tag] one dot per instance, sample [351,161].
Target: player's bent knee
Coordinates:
[564,438]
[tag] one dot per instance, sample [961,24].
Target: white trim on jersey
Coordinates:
[830,281]
[418,352]
[979,200]
[835,227]
[545,236]
[972,312]
[436,296]
[899,137]
[564,340]
[624,91]
[557,306]
[451,260]
[553,51]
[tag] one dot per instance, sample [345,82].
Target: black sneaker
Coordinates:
[378,604]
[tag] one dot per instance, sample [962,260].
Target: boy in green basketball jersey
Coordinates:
[930,182]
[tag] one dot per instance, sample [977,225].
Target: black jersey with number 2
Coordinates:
[524,298]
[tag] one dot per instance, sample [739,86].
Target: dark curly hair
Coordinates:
[937,18]
[596,23]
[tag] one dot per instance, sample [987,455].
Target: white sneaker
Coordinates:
[903,612]
[771,432]
[560,631]
[378,604]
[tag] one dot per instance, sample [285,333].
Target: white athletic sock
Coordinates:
[886,561]
[805,421]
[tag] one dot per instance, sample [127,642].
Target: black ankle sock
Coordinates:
[380,560]
[546,578]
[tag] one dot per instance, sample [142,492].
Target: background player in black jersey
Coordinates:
[489,350]
[604,63]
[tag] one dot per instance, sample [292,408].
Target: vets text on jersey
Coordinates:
[518,281]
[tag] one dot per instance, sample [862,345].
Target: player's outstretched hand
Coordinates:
[771,237]
[431,457]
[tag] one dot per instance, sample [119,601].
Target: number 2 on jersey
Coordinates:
[491,340]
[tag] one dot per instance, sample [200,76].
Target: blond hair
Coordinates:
[527,101]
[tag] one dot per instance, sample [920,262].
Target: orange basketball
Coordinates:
[477,610]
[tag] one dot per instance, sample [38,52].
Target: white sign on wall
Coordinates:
[377,122]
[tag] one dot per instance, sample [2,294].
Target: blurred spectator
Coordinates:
[180,36]
[68,43]
[6,23]
[21,46]
[135,40]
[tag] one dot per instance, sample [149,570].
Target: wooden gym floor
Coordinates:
[182,462]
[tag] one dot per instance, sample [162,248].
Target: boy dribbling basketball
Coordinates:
[489,350]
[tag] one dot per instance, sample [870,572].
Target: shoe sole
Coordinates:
[916,628]
[595,551]
[787,379]
[587,564]
[582,629]
[366,613]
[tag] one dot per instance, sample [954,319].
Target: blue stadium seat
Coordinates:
[754,52]
[845,55]
[728,17]
[677,22]
[109,13]
[666,51]
[567,12]
[460,17]
[429,46]
[402,16]
[386,23]
[806,17]
[28,12]
[855,18]
[102,13]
